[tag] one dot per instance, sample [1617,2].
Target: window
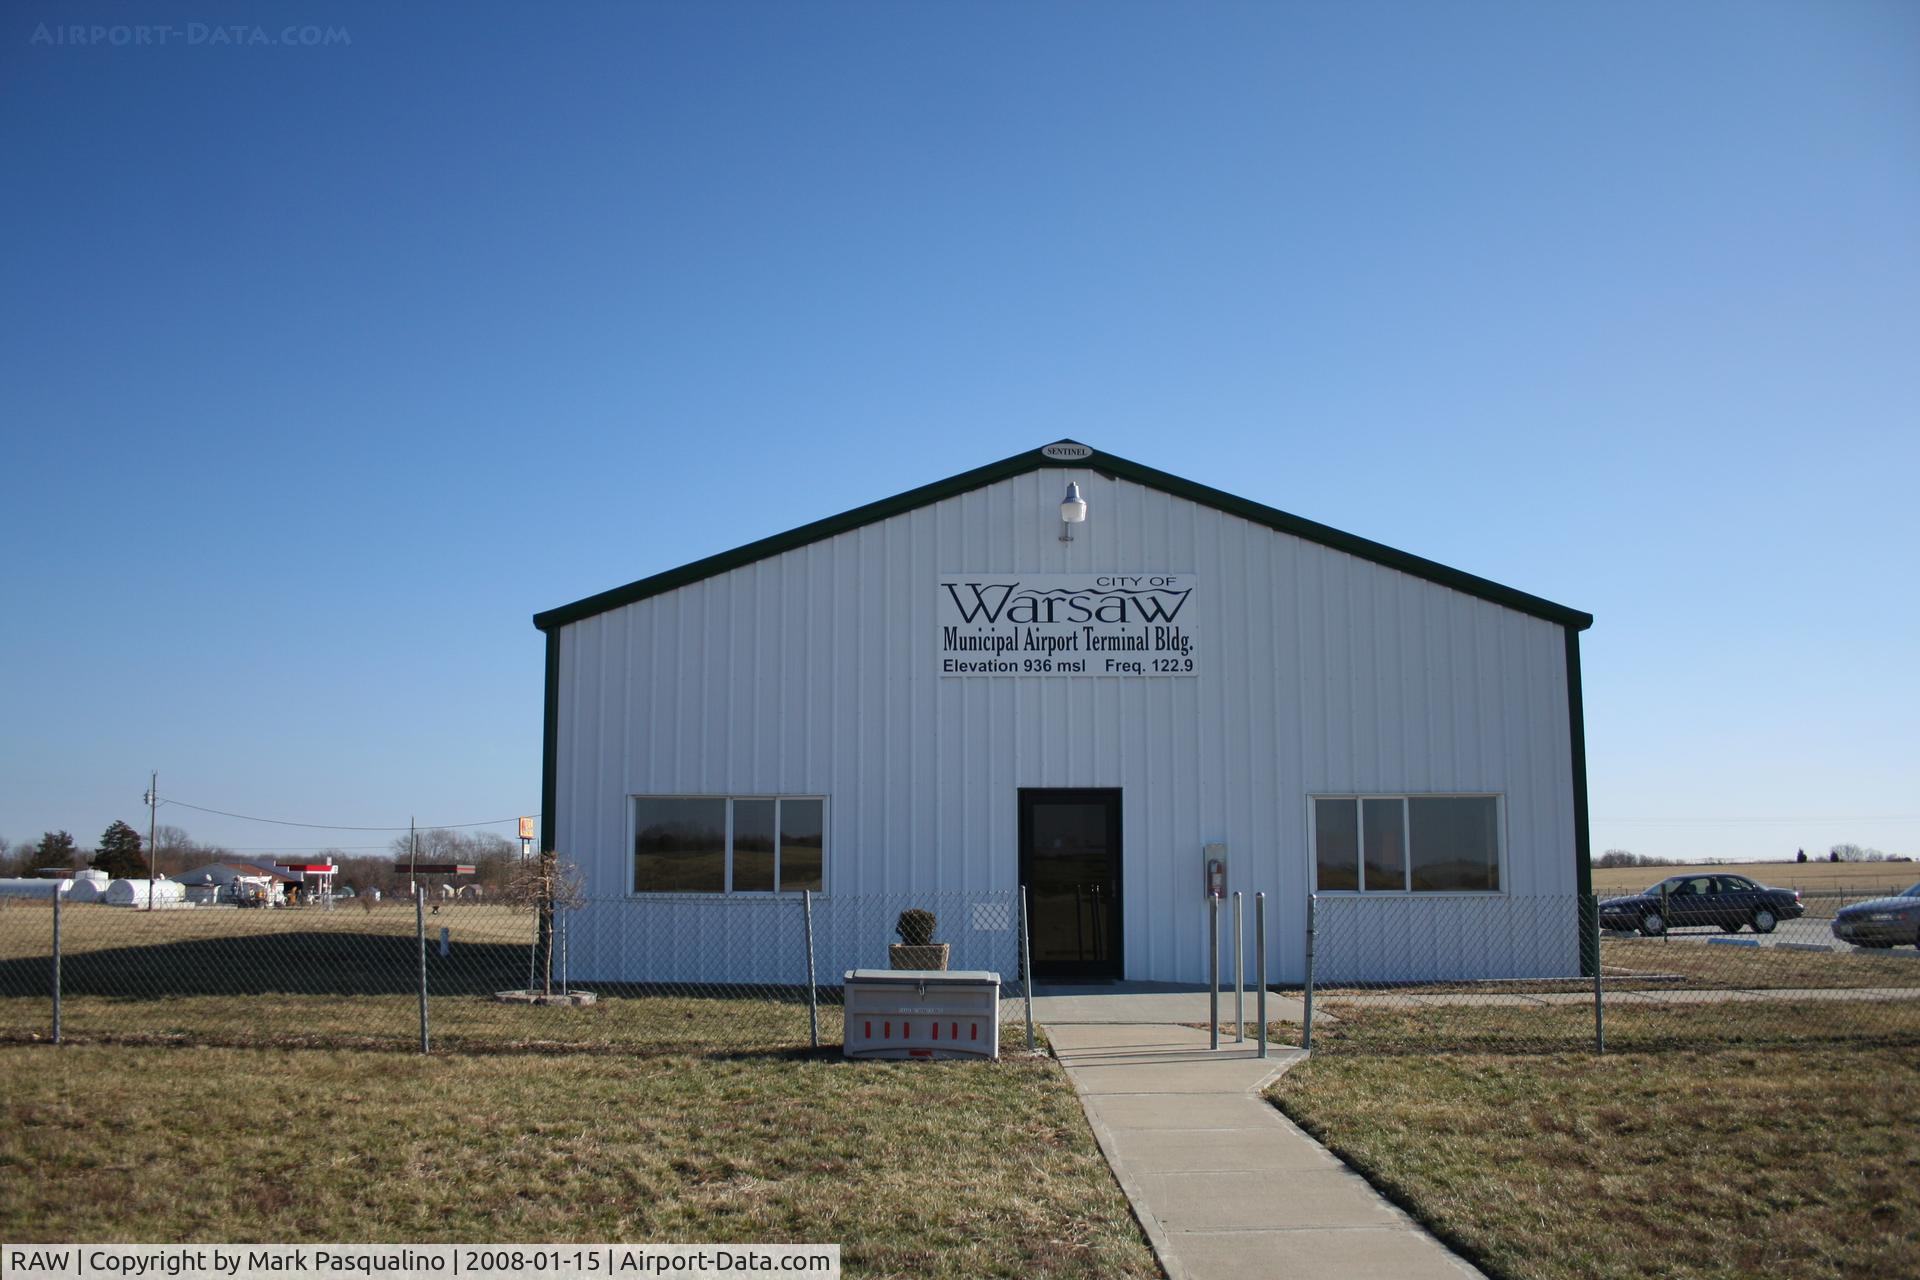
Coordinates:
[1401,844]
[719,844]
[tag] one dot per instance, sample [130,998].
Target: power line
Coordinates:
[333,826]
[283,848]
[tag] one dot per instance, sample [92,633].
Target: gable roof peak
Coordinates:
[1066,453]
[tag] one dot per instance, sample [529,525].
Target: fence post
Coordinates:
[420,935]
[563,918]
[1026,967]
[533,955]
[56,964]
[1239,976]
[1260,965]
[813,991]
[1306,1029]
[1213,970]
[1591,905]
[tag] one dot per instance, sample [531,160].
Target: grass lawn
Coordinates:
[941,1169]
[1413,1029]
[1698,1163]
[1628,962]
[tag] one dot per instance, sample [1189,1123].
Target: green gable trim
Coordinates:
[1582,838]
[1577,740]
[1034,460]
[550,746]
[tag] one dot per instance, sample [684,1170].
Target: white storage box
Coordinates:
[922,1013]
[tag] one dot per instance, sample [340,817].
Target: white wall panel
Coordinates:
[815,672]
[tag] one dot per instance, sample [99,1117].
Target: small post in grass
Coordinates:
[1306,1027]
[1026,967]
[420,934]
[1592,904]
[1260,965]
[1213,971]
[813,991]
[56,963]
[1239,976]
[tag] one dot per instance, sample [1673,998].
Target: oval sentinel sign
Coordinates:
[1067,451]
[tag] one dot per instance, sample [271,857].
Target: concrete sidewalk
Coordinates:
[1227,1187]
[1147,1002]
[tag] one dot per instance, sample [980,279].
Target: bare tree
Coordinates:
[493,856]
[544,885]
[1855,853]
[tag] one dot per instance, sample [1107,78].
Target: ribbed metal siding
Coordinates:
[815,673]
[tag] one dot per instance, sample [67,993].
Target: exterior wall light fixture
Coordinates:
[1073,511]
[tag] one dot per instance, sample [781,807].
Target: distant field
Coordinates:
[1865,878]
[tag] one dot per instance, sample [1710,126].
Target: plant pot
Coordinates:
[931,956]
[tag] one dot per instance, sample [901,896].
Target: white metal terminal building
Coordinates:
[1077,673]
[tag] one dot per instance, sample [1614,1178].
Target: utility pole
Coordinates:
[413,854]
[153,855]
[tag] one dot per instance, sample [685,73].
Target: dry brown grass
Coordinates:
[1411,1028]
[941,1169]
[1706,966]
[1717,1165]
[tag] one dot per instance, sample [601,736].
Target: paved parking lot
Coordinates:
[1804,932]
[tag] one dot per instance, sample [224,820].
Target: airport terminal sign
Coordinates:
[1084,624]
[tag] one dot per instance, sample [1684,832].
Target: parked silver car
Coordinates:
[1883,922]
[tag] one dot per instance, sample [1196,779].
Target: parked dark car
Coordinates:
[1679,902]
[1883,922]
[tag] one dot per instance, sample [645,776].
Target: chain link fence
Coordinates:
[1553,974]
[690,975]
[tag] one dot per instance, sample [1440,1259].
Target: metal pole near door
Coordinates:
[1239,976]
[1213,971]
[1260,965]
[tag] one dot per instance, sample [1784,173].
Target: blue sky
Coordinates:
[322,367]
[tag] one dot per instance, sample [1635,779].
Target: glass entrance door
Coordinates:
[1070,863]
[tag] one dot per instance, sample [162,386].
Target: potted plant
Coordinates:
[916,948]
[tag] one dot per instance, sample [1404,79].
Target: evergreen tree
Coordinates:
[119,854]
[56,849]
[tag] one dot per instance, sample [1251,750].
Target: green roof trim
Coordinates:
[1582,835]
[1036,460]
[550,746]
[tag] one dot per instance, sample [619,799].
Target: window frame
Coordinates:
[727,890]
[1359,799]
